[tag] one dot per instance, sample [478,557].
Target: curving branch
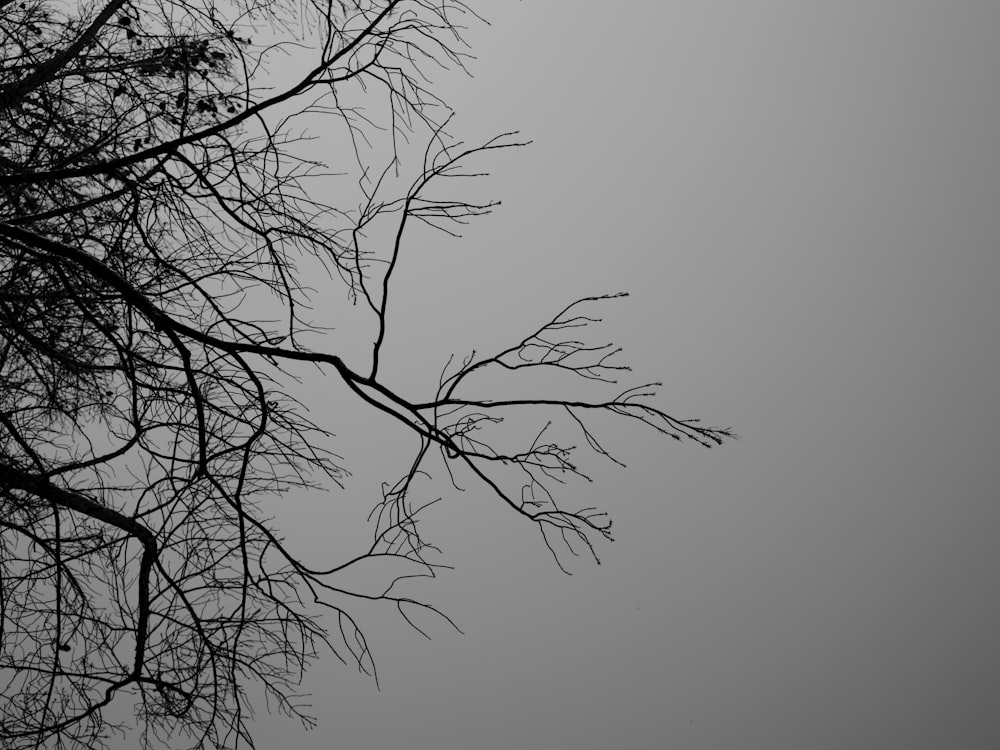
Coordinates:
[166,237]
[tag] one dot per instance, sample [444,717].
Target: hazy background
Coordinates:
[804,200]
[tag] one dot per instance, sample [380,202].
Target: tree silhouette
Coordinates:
[158,217]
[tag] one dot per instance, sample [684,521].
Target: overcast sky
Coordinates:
[803,199]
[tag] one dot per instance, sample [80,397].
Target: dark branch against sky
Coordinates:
[168,247]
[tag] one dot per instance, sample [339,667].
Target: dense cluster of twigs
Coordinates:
[154,210]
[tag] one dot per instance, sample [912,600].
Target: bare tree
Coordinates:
[158,215]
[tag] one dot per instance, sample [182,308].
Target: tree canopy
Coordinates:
[162,229]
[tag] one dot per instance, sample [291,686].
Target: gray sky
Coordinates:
[804,200]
